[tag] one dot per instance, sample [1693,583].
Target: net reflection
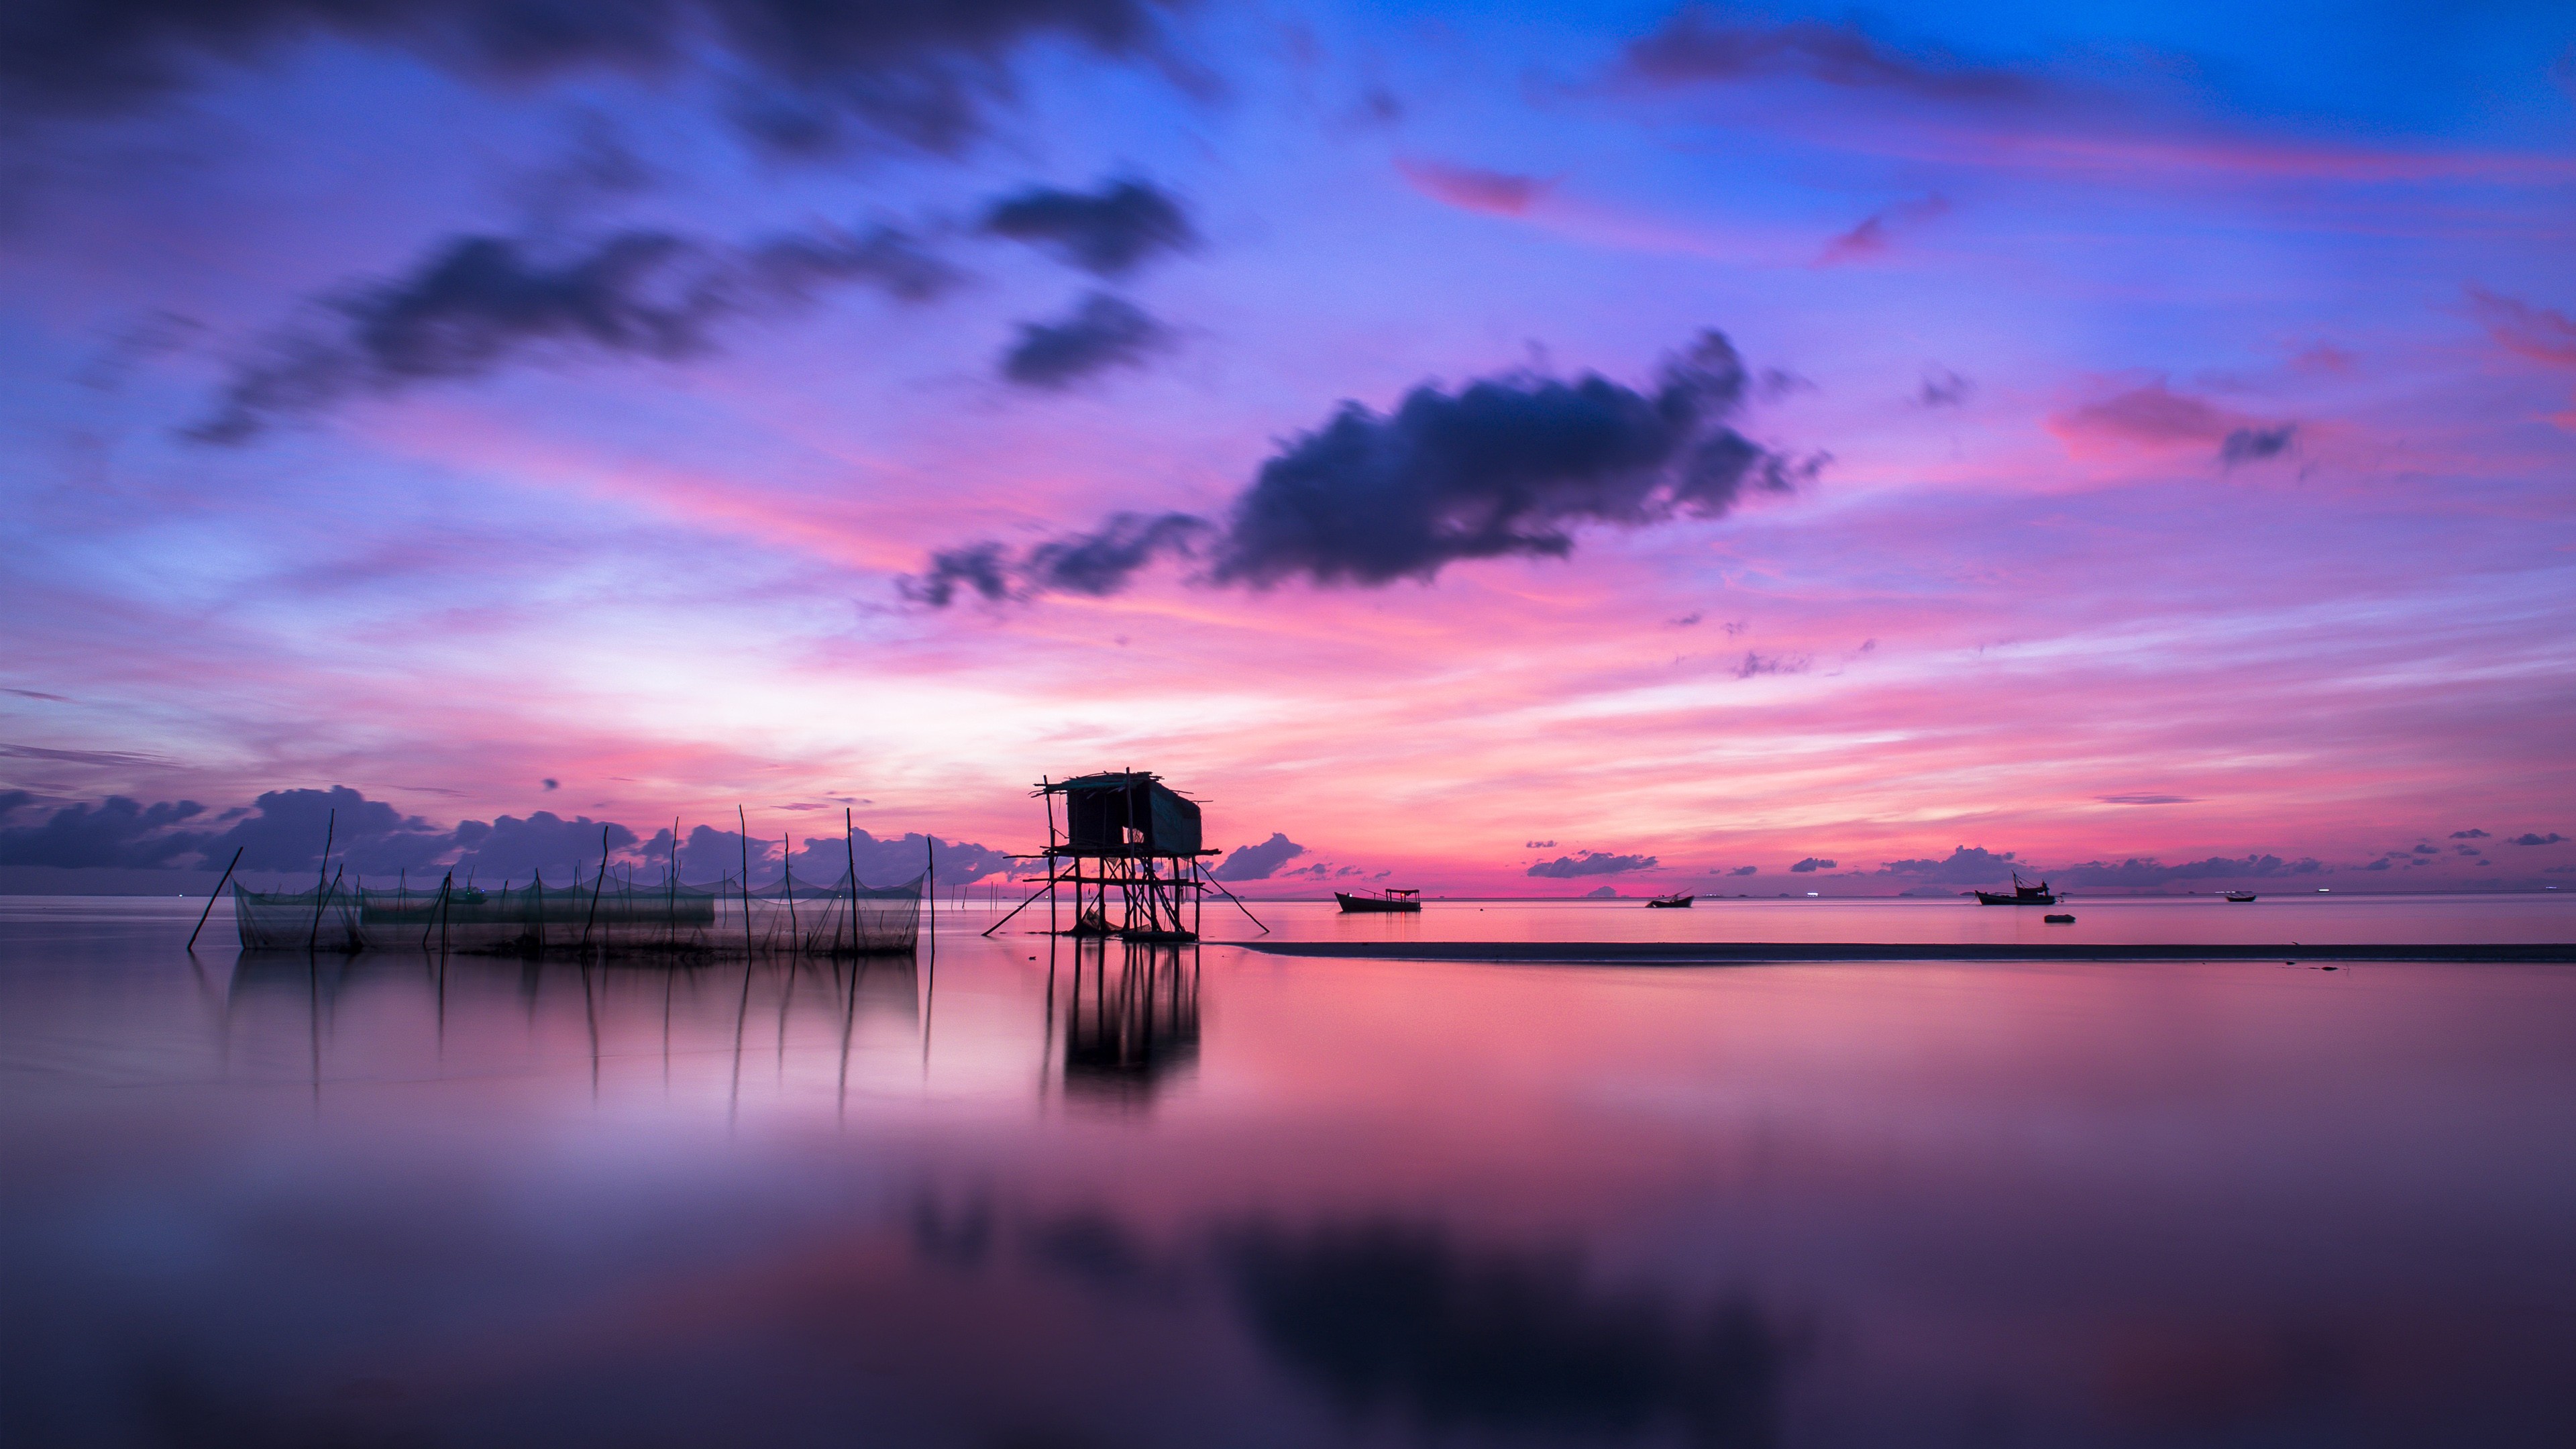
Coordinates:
[326,1019]
[1131,1018]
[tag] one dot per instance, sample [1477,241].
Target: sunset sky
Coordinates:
[1499,449]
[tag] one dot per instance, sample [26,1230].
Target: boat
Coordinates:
[2022,895]
[2059,920]
[1387,900]
[2240,897]
[1675,901]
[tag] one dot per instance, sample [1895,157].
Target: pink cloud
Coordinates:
[2158,419]
[2541,334]
[1871,238]
[1470,188]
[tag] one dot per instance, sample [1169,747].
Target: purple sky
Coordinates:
[1661,442]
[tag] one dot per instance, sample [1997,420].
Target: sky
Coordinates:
[1491,451]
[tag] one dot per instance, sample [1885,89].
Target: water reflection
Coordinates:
[1131,1018]
[373,1201]
[1402,1320]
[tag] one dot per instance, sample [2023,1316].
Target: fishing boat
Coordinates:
[2240,897]
[2022,895]
[1386,900]
[1675,901]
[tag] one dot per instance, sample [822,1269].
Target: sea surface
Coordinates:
[1020,1193]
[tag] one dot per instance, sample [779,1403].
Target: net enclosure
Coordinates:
[606,915]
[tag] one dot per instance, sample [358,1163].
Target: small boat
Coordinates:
[2022,895]
[2059,920]
[1388,900]
[2240,897]
[1675,901]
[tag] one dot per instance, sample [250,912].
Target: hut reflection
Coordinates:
[1131,1018]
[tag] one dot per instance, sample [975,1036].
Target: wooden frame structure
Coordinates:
[1128,850]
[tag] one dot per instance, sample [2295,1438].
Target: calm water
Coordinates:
[1037,1198]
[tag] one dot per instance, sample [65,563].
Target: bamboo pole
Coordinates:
[849,847]
[595,888]
[210,900]
[330,832]
[787,877]
[743,834]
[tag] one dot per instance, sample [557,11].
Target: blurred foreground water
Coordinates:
[1028,1195]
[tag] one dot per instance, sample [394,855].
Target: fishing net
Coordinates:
[605,915]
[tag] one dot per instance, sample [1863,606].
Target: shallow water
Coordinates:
[1034,1197]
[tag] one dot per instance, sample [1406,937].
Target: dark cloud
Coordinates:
[1402,1322]
[1964,865]
[1538,845]
[477,303]
[2137,872]
[285,829]
[1703,46]
[2464,850]
[806,73]
[115,832]
[1100,562]
[1746,870]
[510,848]
[2552,838]
[10,800]
[1943,388]
[2468,835]
[1101,333]
[1108,232]
[1505,466]
[2253,445]
[1811,864]
[1590,862]
[983,569]
[1256,862]
[1753,664]
[1511,465]
[2428,850]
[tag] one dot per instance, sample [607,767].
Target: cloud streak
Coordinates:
[476,304]
[803,74]
[1701,46]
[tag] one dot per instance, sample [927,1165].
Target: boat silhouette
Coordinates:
[1671,902]
[1388,900]
[2022,895]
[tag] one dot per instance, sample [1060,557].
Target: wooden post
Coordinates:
[320,877]
[930,889]
[849,846]
[742,833]
[210,900]
[595,888]
[787,875]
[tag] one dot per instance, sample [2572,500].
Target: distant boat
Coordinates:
[2022,895]
[1674,901]
[2059,920]
[1389,900]
[2240,897]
